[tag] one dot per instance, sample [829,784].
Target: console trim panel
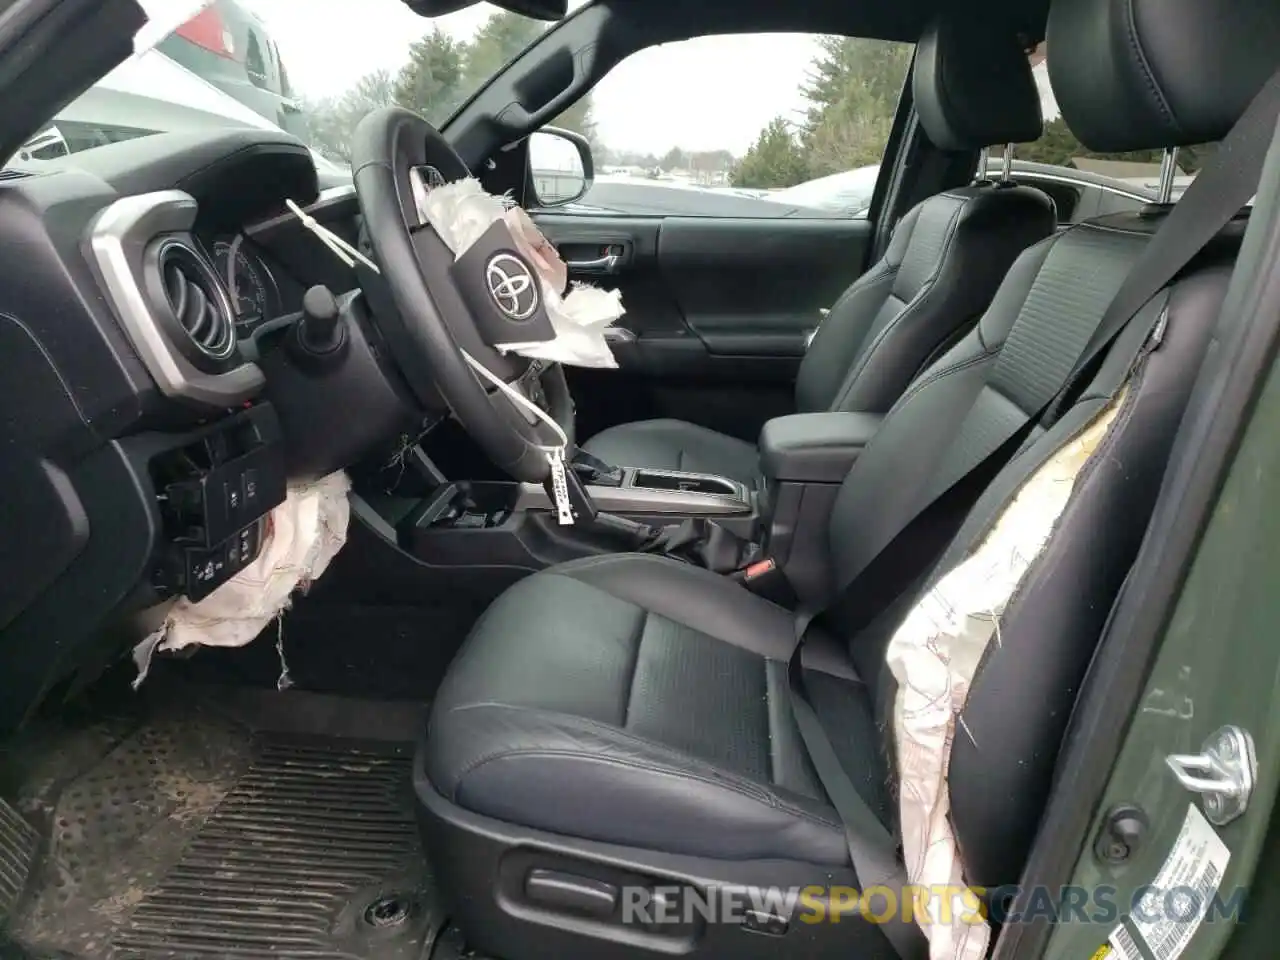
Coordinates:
[628,498]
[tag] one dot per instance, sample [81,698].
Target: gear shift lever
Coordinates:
[594,471]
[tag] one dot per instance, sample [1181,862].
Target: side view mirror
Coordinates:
[48,144]
[560,166]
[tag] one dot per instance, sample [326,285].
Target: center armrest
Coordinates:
[814,447]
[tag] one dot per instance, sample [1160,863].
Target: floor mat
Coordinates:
[192,835]
[18,842]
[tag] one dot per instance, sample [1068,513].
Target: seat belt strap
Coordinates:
[1222,188]
[1215,197]
[872,849]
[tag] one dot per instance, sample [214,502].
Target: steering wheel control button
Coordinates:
[501,290]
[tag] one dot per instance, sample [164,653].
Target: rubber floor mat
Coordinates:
[182,832]
[314,853]
[118,802]
[18,842]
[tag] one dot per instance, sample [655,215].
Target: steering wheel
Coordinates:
[422,311]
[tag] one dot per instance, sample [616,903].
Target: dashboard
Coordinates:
[143,434]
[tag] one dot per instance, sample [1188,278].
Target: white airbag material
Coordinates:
[934,656]
[303,535]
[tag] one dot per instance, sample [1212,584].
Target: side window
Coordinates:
[1103,183]
[255,62]
[755,125]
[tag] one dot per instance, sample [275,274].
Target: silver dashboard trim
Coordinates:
[173,373]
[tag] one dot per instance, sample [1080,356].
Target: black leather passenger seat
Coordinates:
[973,88]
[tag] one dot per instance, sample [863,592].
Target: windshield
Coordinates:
[312,68]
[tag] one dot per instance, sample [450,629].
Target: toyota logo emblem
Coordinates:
[512,286]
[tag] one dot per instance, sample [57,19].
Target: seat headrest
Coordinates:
[973,86]
[1148,74]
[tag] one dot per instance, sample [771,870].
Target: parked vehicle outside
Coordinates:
[1078,195]
[229,46]
[847,193]
[147,94]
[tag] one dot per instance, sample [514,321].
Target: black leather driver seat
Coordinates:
[624,723]
[973,87]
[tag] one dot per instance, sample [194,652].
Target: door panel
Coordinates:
[720,309]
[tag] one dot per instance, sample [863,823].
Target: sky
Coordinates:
[704,94]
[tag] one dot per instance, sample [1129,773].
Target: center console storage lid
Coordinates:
[814,447]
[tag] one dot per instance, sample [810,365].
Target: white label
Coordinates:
[1123,946]
[1170,913]
[560,487]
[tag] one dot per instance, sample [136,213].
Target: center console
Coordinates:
[513,528]
[805,458]
[460,523]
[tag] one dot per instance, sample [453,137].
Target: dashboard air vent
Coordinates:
[197,300]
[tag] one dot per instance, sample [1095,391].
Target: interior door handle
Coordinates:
[606,264]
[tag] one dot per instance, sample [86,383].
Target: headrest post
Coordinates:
[984,160]
[1168,170]
[1007,173]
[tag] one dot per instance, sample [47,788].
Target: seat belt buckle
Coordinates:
[765,579]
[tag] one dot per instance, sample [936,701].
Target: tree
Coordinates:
[333,121]
[1058,145]
[498,41]
[432,82]
[440,74]
[674,159]
[853,94]
[774,160]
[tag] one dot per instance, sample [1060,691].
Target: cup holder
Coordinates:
[686,482]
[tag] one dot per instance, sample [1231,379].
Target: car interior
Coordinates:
[945,260]
[527,688]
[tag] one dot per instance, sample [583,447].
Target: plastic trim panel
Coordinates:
[126,225]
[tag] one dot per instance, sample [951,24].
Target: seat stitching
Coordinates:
[768,799]
[590,562]
[728,780]
[1104,228]
[863,285]
[934,377]
[641,624]
[921,295]
[1162,103]
[1124,416]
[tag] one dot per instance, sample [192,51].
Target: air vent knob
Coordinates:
[319,331]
